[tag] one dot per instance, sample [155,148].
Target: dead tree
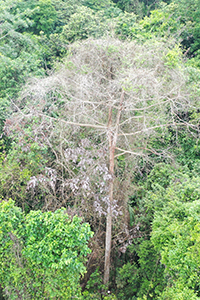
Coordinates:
[126,94]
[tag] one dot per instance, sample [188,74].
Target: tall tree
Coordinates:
[124,94]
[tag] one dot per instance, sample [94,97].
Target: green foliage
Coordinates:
[14,71]
[131,6]
[97,4]
[178,292]
[83,24]
[42,254]
[179,185]
[20,55]
[24,160]
[40,15]
[162,23]
[95,289]
[188,149]
[178,20]
[162,175]
[124,24]
[171,202]
[189,12]
[173,57]
[140,7]
[175,234]
[44,17]
[143,277]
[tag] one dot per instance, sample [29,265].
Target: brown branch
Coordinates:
[154,127]
[127,151]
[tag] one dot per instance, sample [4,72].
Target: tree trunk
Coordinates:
[109,219]
[112,138]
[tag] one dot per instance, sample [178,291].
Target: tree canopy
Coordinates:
[99,126]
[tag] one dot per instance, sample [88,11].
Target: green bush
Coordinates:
[41,254]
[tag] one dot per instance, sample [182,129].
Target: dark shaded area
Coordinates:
[1,294]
